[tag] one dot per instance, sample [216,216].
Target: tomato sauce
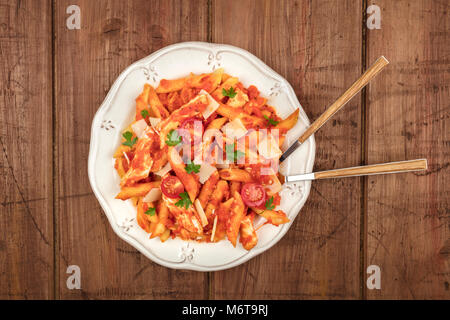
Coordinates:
[183,222]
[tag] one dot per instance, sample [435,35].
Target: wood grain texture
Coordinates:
[340,102]
[113,35]
[319,53]
[26,227]
[318,47]
[409,117]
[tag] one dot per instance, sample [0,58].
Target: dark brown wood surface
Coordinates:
[320,55]
[26,214]
[408,116]
[113,35]
[54,79]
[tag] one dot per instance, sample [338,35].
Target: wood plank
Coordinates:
[319,53]
[26,237]
[113,35]
[408,226]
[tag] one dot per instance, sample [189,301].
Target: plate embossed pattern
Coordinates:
[117,111]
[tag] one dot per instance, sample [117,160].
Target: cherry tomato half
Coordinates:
[253,194]
[171,186]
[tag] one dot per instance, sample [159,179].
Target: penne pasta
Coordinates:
[235,175]
[248,236]
[230,82]
[192,161]
[189,180]
[207,189]
[273,217]
[163,216]
[287,124]
[141,219]
[222,215]
[237,213]
[190,110]
[166,86]
[120,150]
[220,192]
[137,190]
[142,161]
[216,124]
[157,108]
[235,186]
[207,82]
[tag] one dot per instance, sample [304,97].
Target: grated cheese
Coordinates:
[126,157]
[268,147]
[234,129]
[139,127]
[212,105]
[154,121]
[214,229]
[163,171]
[153,195]
[224,165]
[206,170]
[201,213]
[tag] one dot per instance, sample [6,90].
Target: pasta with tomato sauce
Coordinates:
[199,160]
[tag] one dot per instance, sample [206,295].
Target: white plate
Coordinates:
[118,110]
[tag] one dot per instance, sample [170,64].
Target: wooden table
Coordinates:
[53,80]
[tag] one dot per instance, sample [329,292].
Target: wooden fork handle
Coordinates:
[346,96]
[383,168]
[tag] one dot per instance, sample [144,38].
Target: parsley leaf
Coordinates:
[144,113]
[185,201]
[192,167]
[269,204]
[232,154]
[127,135]
[271,121]
[229,150]
[229,93]
[151,211]
[128,142]
[238,154]
[173,138]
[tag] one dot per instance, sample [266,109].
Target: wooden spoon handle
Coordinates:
[382,168]
[346,96]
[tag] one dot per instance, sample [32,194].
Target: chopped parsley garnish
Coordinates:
[232,154]
[144,113]
[192,167]
[229,93]
[185,201]
[151,211]
[271,121]
[128,141]
[173,138]
[269,204]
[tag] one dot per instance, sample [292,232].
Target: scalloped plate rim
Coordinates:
[146,61]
